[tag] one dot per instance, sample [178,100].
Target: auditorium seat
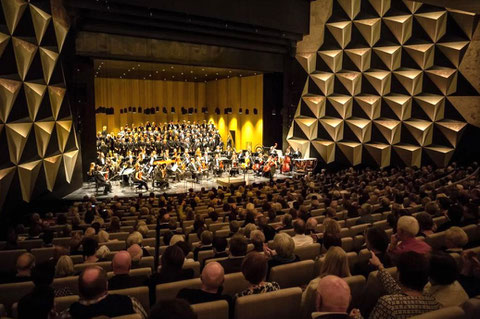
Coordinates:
[444,313]
[374,290]
[234,283]
[12,292]
[170,290]
[217,226]
[43,254]
[436,240]
[63,303]
[214,259]
[472,232]
[293,274]
[106,265]
[358,229]
[347,243]
[351,221]
[70,282]
[308,252]
[121,236]
[222,233]
[281,304]
[193,265]
[204,254]
[64,241]
[357,286]
[330,315]
[115,245]
[211,310]
[30,243]
[9,259]
[132,316]
[135,272]
[140,293]
[149,242]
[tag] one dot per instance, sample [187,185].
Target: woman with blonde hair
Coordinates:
[64,267]
[334,263]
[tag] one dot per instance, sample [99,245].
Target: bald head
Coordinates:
[212,277]
[121,263]
[92,283]
[25,264]
[333,294]
[136,252]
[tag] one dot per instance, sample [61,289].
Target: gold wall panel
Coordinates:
[394,75]
[28,119]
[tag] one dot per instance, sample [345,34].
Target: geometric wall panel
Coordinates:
[27,174]
[31,40]
[51,166]
[388,84]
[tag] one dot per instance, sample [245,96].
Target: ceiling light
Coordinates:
[191,71]
[181,73]
[171,67]
[138,65]
[203,69]
[163,70]
[156,72]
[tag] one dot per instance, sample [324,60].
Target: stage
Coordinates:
[175,188]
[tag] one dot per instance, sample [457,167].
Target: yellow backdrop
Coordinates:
[235,93]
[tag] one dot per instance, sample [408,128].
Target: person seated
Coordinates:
[407,299]
[43,275]
[333,298]
[283,252]
[455,239]
[443,284]
[96,301]
[101,181]
[301,239]
[172,309]
[90,247]
[377,241]
[171,270]
[64,267]
[136,254]
[206,239]
[24,266]
[267,230]
[404,240]
[121,265]
[220,247]
[257,238]
[212,278]
[238,250]
[427,226]
[365,213]
[336,264]
[254,269]
[37,304]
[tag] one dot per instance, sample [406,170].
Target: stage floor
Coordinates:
[175,188]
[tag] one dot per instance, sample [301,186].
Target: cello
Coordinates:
[286,166]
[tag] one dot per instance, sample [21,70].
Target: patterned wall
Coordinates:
[384,87]
[38,144]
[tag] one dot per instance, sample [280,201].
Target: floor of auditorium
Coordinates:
[174,188]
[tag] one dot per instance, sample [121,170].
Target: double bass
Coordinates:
[286,166]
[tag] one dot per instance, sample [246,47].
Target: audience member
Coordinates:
[455,239]
[25,265]
[283,252]
[121,265]
[404,240]
[301,239]
[254,269]
[257,238]
[37,304]
[333,297]
[64,267]
[238,250]
[206,239]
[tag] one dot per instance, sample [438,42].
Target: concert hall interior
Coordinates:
[257,158]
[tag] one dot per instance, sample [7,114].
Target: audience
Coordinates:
[172,309]
[407,299]
[283,252]
[301,239]
[333,297]
[206,239]
[96,301]
[455,239]
[64,267]
[257,238]
[121,265]
[238,250]
[404,240]
[37,304]
[254,269]
[25,265]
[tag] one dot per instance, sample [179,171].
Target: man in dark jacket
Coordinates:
[121,264]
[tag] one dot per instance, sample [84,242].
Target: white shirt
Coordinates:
[302,240]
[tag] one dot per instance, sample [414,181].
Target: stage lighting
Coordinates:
[134,109]
[173,110]
[255,111]
[247,111]
[274,112]
[240,111]
[217,111]
[125,110]
[190,110]
[157,109]
[112,111]
[184,111]
[121,111]
[225,111]
[130,109]
[139,109]
[164,110]
[195,111]
[152,110]
[147,111]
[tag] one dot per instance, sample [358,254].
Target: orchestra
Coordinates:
[171,152]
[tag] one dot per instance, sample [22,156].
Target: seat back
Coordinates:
[43,254]
[147,271]
[9,259]
[147,262]
[436,240]
[308,252]
[139,293]
[472,232]
[70,282]
[222,233]
[293,274]
[30,243]
[374,290]
[347,243]
[204,254]
[63,303]
[211,310]
[281,304]
[122,236]
[357,285]
[234,283]
[115,245]
[170,290]
[193,265]
[106,265]
[444,313]
[13,292]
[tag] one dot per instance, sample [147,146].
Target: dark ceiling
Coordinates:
[166,72]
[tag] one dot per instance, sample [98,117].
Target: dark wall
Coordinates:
[272,107]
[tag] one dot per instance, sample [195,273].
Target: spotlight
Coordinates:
[125,110]
[121,111]
[153,111]
[225,111]
[130,109]
[217,111]
[274,112]
[147,111]
[255,111]
[134,109]
[157,109]
[247,111]
[164,110]
[139,109]
[190,110]
[240,111]
[172,110]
